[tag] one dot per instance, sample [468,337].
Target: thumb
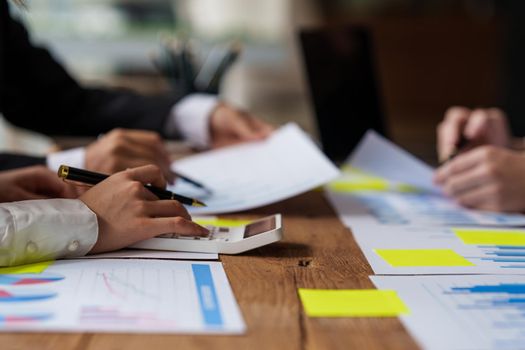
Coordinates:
[477,127]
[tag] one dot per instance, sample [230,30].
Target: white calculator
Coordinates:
[224,240]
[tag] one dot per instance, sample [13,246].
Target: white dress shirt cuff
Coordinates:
[190,117]
[73,157]
[39,230]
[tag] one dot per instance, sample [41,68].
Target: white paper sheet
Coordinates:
[134,296]
[153,254]
[462,312]
[485,258]
[378,156]
[251,175]
[404,209]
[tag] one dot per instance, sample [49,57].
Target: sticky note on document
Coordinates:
[491,237]
[352,303]
[422,257]
[24,269]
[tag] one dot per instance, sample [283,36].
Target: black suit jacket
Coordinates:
[37,93]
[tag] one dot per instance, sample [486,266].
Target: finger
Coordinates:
[45,182]
[466,181]
[459,164]
[262,128]
[449,131]
[126,146]
[477,126]
[149,140]
[148,174]
[241,127]
[176,225]
[123,163]
[134,155]
[166,208]
[481,198]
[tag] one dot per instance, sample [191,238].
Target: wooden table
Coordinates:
[317,252]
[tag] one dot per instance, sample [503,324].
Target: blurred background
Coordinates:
[414,59]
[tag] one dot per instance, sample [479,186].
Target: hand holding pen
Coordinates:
[128,211]
[464,129]
[92,178]
[482,173]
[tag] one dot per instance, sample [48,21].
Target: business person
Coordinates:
[37,93]
[114,214]
[489,171]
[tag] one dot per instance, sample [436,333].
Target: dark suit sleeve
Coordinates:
[38,94]
[12,161]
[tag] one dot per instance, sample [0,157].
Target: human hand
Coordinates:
[487,178]
[35,182]
[230,126]
[479,127]
[128,213]
[121,149]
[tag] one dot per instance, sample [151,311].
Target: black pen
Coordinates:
[459,147]
[193,182]
[92,178]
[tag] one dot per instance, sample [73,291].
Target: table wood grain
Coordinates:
[317,252]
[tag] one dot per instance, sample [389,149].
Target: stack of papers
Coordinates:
[405,226]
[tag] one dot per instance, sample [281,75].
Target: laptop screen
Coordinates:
[343,87]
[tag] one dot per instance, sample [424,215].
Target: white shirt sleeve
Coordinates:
[74,157]
[40,230]
[190,119]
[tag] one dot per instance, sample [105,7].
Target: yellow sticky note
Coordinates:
[422,257]
[491,237]
[355,180]
[29,268]
[352,303]
[222,222]
[359,185]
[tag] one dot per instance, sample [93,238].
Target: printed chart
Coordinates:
[121,296]
[462,312]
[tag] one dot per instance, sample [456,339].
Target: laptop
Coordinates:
[343,86]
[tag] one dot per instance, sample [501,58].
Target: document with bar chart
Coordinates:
[462,312]
[419,250]
[383,184]
[149,296]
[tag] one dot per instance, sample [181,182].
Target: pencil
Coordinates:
[92,178]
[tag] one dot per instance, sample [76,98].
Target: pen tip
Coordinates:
[197,203]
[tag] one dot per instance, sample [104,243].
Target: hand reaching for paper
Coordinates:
[229,126]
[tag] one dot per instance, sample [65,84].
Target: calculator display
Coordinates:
[259,227]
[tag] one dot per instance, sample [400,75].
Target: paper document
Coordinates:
[251,175]
[362,199]
[152,254]
[419,250]
[462,312]
[146,296]
[378,156]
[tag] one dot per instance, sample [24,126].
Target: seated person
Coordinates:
[37,93]
[489,172]
[116,213]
